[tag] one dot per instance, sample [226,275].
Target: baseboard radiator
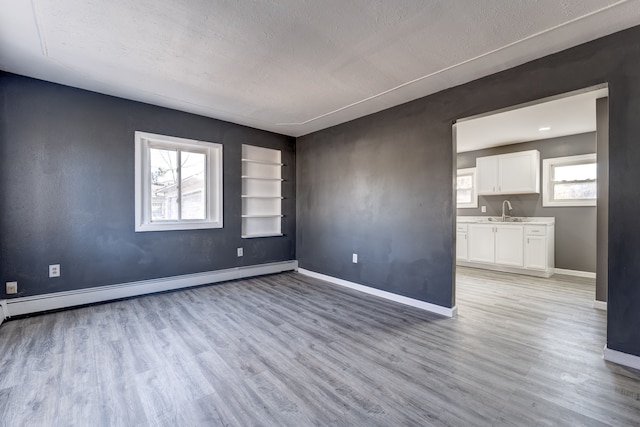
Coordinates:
[53,301]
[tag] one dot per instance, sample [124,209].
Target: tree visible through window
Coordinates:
[178,184]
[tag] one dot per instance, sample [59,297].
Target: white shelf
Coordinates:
[261,178]
[253,236]
[263,162]
[261,192]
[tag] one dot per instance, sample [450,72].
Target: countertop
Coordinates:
[541,220]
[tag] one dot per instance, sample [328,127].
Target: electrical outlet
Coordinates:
[54,270]
[12,288]
[483,209]
[354,258]
[240,252]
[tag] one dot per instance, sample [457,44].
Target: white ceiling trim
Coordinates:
[36,19]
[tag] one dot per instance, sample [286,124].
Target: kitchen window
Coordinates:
[178,183]
[466,196]
[569,181]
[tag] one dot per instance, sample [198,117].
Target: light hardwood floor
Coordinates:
[288,350]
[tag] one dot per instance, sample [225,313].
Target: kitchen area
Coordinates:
[516,244]
[528,183]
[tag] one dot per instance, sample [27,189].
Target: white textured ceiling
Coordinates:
[289,66]
[568,115]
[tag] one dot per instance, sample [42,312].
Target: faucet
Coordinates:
[504,215]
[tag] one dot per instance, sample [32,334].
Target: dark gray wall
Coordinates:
[602,117]
[382,185]
[575,226]
[67,191]
[375,187]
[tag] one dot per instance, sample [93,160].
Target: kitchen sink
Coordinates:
[508,219]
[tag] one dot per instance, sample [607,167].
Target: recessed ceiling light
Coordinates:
[542,129]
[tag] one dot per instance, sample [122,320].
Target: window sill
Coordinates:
[178,226]
[569,204]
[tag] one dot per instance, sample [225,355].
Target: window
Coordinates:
[178,183]
[569,181]
[466,196]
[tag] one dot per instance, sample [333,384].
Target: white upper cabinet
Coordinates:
[487,174]
[513,173]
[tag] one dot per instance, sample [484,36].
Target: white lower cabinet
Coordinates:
[535,253]
[482,243]
[539,247]
[511,247]
[462,248]
[496,244]
[509,250]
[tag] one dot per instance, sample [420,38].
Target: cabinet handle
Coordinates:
[499,188]
[494,189]
[527,240]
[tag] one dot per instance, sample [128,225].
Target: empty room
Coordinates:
[298,213]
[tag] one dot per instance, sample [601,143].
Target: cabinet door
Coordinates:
[487,174]
[535,252]
[519,173]
[481,243]
[462,252]
[509,245]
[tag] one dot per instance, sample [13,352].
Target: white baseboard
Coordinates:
[576,273]
[506,269]
[35,304]
[600,305]
[621,358]
[433,308]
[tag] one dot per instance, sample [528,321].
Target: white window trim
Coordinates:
[547,190]
[474,189]
[213,151]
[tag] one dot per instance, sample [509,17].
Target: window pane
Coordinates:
[193,185]
[463,196]
[574,191]
[465,182]
[579,172]
[164,191]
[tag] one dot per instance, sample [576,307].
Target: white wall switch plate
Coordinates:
[483,209]
[240,252]
[12,288]
[354,258]
[54,270]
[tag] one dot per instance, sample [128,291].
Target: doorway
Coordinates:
[569,135]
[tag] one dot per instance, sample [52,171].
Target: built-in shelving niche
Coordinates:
[261,192]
